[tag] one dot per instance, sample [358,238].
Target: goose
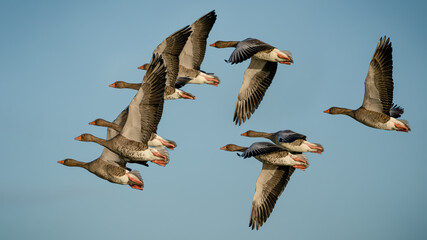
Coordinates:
[155,140]
[193,53]
[170,49]
[145,111]
[110,166]
[109,170]
[378,110]
[258,76]
[292,141]
[277,168]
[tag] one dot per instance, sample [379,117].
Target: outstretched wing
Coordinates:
[256,81]
[288,136]
[170,49]
[146,107]
[379,81]
[269,186]
[246,49]
[259,148]
[193,52]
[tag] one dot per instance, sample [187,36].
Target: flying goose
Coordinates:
[292,141]
[145,111]
[258,76]
[377,110]
[277,168]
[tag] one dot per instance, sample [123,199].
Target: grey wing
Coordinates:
[246,49]
[170,49]
[108,155]
[259,148]
[193,52]
[288,136]
[269,186]
[256,81]
[379,81]
[151,106]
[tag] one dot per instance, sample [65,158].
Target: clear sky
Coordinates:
[58,57]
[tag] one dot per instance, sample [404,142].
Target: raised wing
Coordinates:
[146,107]
[269,186]
[170,49]
[246,49]
[256,81]
[379,81]
[288,136]
[193,52]
[259,148]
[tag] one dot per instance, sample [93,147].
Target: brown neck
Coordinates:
[90,138]
[345,111]
[235,148]
[134,86]
[251,133]
[74,163]
[226,44]
[101,122]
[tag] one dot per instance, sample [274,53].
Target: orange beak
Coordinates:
[79,138]
[224,148]
[212,45]
[61,162]
[136,187]
[287,63]
[187,96]
[326,111]
[112,85]
[92,123]
[159,155]
[244,134]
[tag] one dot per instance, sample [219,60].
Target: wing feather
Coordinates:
[256,80]
[269,186]
[379,81]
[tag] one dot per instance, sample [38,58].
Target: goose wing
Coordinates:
[170,49]
[379,81]
[246,49]
[269,186]
[259,148]
[146,107]
[108,155]
[194,50]
[288,136]
[256,80]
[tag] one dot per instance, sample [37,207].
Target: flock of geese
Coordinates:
[132,137]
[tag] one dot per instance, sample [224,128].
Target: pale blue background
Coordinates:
[58,57]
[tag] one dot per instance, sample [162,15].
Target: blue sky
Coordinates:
[58,57]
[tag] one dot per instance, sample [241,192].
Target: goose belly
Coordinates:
[268,56]
[135,155]
[295,148]
[279,161]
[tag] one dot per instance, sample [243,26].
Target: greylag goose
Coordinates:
[292,141]
[110,166]
[110,170]
[277,168]
[145,112]
[155,140]
[170,49]
[377,110]
[258,76]
[193,53]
